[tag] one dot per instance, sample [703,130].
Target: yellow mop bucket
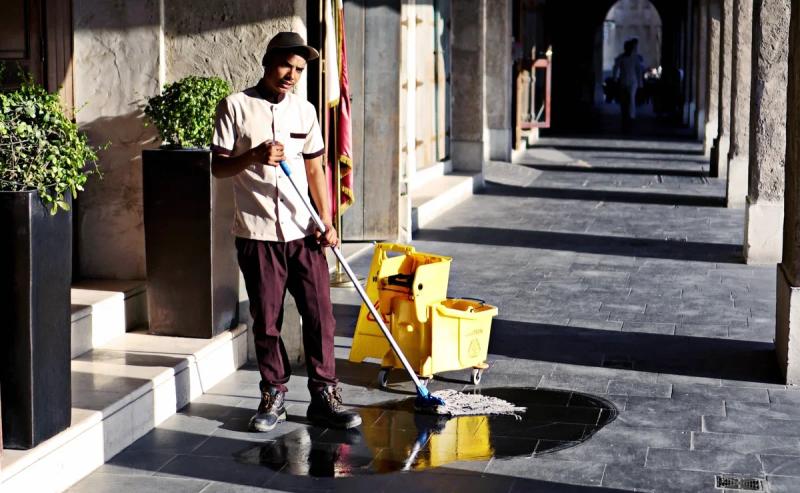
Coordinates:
[435,333]
[453,336]
[397,272]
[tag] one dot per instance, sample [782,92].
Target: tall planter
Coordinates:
[35,278]
[192,273]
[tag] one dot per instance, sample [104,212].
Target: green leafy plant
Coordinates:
[40,148]
[184,112]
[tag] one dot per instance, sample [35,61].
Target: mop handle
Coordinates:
[378,318]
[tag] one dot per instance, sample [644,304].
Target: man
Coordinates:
[629,73]
[278,246]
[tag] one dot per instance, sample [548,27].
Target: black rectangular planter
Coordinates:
[192,272]
[35,279]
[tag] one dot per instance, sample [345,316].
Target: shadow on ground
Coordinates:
[586,243]
[639,150]
[616,170]
[679,355]
[655,198]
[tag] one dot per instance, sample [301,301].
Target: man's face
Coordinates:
[284,72]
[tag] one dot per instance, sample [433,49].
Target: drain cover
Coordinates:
[738,483]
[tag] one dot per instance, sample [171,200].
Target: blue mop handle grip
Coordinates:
[285,168]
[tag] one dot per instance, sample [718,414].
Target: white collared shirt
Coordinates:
[267,206]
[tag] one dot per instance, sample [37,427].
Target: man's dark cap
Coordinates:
[289,42]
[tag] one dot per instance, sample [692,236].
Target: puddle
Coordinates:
[395,438]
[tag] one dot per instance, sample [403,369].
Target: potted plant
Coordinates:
[192,273]
[43,164]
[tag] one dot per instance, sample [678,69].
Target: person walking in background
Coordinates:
[628,72]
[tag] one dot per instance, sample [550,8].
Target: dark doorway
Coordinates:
[575,30]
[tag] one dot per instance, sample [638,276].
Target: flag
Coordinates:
[342,153]
[331,57]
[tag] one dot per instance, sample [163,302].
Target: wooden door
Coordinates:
[373,50]
[36,39]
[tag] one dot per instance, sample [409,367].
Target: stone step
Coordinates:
[120,391]
[103,310]
[425,175]
[440,194]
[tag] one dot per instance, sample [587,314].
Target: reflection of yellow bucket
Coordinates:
[464,438]
[392,439]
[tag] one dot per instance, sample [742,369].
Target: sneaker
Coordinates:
[326,410]
[270,411]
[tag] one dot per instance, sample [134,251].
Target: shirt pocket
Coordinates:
[294,147]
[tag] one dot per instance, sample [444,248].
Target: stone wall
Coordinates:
[116,65]
[124,51]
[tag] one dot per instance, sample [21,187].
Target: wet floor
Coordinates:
[395,438]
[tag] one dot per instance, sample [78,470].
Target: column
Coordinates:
[701,63]
[740,102]
[712,73]
[787,333]
[468,142]
[719,152]
[499,82]
[764,210]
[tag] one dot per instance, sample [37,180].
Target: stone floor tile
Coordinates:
[658,418]
[719,461]
[719,392]
[746,425]
[224,470]
[592,451]
[616,387]
[789,396]
[115,483]
[215,487]
[134,462]
[168,441]
[649,327]
[783,484]
[689,403]
[558,471]
[639,478]
[747,444]
[781,465]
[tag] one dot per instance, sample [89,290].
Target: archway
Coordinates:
[628,19]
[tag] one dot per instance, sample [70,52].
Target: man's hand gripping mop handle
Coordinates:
[421,391]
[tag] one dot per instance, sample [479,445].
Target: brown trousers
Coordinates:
[269,269]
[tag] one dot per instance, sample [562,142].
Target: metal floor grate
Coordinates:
[739,483]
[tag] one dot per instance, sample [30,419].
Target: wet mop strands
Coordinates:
[445,402]
[463,404]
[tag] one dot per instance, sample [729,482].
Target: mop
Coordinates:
[445,402]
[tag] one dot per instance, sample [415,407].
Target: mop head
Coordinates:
[454,403]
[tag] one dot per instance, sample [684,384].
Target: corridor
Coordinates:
[623,304]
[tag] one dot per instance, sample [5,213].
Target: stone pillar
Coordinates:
[719,152]
[468,141]
[499,82]
[740,102]
[701,63]
[764,210]
[714,14]
[787,333]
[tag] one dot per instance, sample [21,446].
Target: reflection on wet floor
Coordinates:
[395,438]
